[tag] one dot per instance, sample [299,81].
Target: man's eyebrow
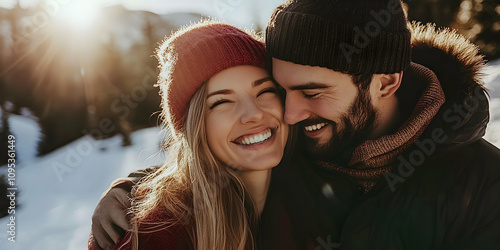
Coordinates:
[261,81]
[310,85]
[221,92]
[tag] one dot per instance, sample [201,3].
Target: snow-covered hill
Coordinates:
[492,82]
[58,192]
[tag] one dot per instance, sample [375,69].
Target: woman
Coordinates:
[224,116]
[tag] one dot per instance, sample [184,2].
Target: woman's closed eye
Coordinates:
[272,90]
[219,102]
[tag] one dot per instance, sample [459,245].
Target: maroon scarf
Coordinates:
[373,158]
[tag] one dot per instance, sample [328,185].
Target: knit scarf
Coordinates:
[373,158]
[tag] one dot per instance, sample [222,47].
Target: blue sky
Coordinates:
[243,13]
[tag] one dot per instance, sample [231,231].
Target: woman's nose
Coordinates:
[251,112]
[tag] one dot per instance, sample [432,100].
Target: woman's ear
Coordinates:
[389,84]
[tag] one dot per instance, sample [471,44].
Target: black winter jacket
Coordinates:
[448,197]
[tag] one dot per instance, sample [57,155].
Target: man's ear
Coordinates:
[389,84]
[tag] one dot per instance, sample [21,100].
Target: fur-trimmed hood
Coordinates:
[458,65]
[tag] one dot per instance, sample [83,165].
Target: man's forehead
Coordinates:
[288,71]
[292,75]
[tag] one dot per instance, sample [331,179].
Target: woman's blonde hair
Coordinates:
[195,191]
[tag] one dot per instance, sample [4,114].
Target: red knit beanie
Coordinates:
[193,54]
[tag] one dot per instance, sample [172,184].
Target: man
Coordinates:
[390,154]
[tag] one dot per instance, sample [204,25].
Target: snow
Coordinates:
[492,82]
[59,191]
[27,127]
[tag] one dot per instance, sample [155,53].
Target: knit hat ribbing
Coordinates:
[355,36]
[192,55]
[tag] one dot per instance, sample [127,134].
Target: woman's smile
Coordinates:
[245,129]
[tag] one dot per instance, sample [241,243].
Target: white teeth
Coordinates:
[315,127]
[256,138]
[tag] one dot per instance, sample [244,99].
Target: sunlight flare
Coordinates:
[80,15]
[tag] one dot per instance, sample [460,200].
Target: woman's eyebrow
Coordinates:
[261,81]
[228,91]
[221,92]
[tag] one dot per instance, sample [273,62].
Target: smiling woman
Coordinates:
[226,131]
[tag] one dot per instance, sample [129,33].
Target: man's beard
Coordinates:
[356,126]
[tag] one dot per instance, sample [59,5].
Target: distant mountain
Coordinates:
[128,25]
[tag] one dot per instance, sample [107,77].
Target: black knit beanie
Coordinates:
[350,36]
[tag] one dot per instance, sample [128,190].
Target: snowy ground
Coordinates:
[58,192]
[492,82]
